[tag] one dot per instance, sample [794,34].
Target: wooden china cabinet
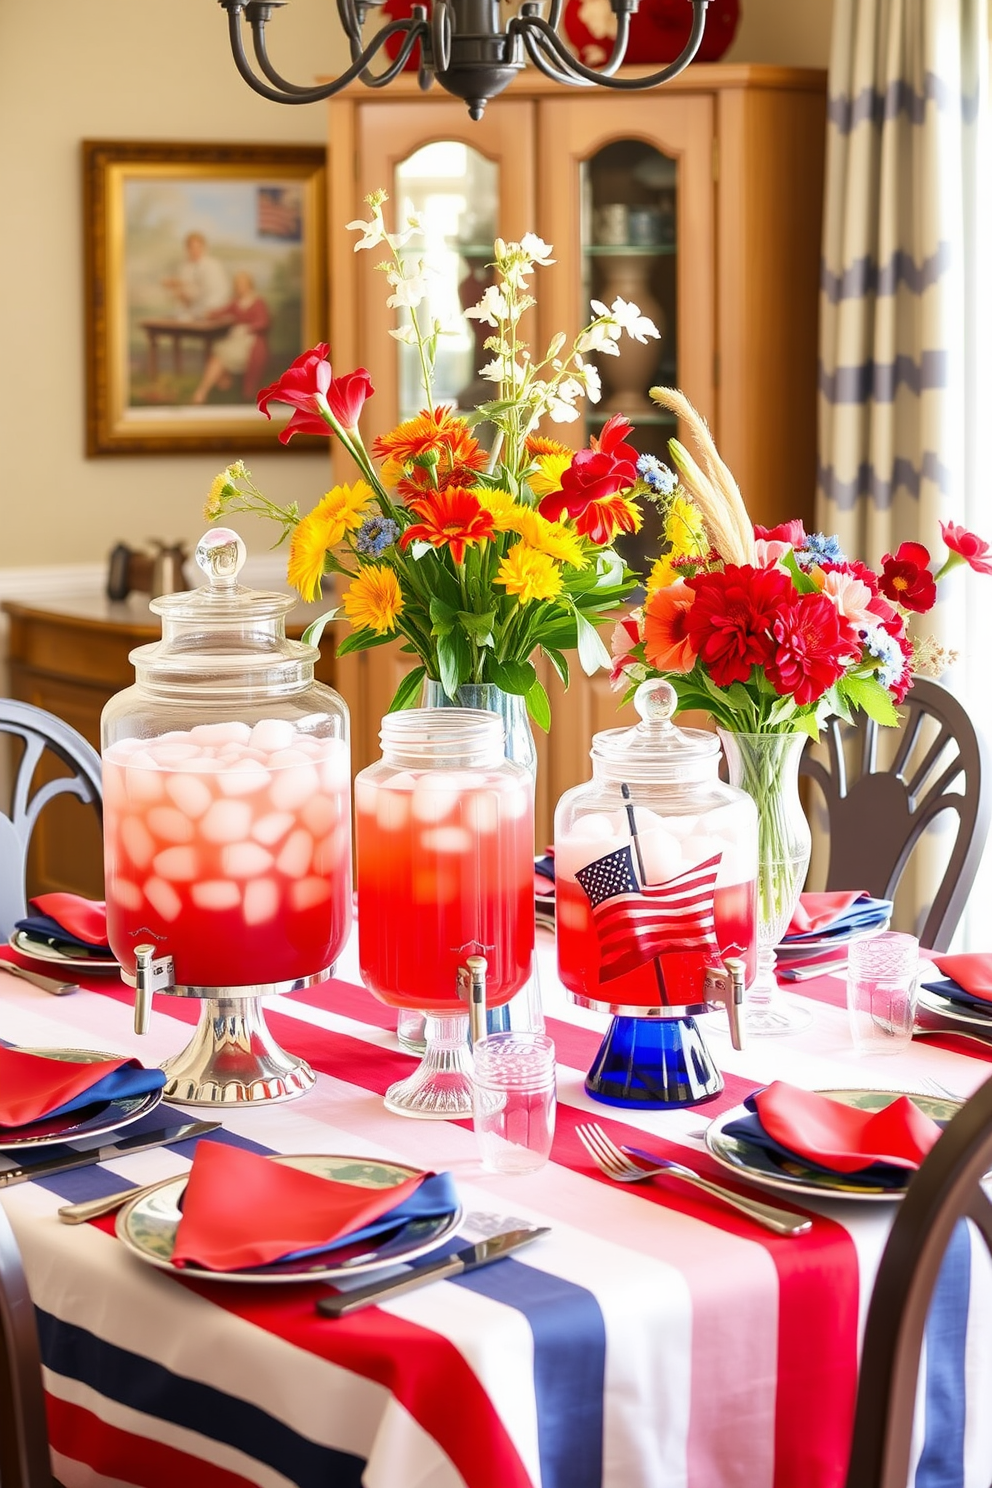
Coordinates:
[701,202]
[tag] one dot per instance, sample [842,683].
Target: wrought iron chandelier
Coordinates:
[464,44]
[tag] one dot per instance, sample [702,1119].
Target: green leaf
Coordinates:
[868,694]
[314,631]
[408,692]
[802,581]
[558,661]
[479,627]
[538,706]
[592,653]
[807,723]
[454,661]
[442,617]
[364,640]
[513,676]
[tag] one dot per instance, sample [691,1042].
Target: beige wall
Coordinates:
[152,69]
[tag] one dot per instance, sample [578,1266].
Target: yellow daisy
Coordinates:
[685,530]
[553,538]
[374,599]
[341,510]
[662,574]
[529,574]
[501,506]
[221,486]
[546,479]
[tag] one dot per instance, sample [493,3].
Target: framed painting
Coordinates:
[205,277]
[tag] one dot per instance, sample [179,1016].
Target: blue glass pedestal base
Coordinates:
[653,1063]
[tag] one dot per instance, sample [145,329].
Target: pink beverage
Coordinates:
[230,848]
[445,870]
[665,859]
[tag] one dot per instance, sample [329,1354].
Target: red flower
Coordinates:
[793,533]
[308,386]
[901,686]
[730,623]
[974,550]
[812,648]
[906,578]
[595,474]
[453,518]
[602,520]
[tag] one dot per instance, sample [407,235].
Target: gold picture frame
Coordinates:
[205,277]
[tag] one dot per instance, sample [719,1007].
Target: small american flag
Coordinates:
[634,923]
[278,213]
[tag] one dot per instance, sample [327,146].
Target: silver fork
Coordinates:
[628,1165]
[934,1087]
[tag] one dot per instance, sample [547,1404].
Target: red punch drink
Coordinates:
[445,846]
[229,846]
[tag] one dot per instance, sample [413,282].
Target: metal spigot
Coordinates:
[726,984]
[152,973]
[472,989]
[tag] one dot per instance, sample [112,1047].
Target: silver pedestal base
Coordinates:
[233,1059]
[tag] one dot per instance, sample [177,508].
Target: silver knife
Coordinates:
[496,1248]
[123,1147]
[47,984]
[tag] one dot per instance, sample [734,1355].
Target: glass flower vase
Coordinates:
[767,767]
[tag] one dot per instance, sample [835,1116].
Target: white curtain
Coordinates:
[905,389]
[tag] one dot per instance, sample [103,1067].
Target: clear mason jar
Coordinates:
[655,867]
[226,775]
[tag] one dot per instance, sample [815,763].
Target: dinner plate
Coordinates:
[38,951]
[752,1162]
[956,1012]
[147,1227]
[820,943]
[88,1121]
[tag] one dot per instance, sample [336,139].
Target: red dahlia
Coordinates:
[813,645]
[730,623]
[906,578]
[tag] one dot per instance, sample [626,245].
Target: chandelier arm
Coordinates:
[544,61]
[348,16]
[380,79]
[576,69]
[370,80]
[620,41]
[292,93]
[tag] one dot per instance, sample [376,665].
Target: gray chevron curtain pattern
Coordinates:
[905,376]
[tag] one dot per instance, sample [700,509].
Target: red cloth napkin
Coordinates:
[818,911]
[972,971]
[84,918]
[31,1086]
[841,1137]
[240,1209]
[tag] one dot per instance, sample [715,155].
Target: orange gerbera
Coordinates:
[602,520]
[435,429]
[666,641]
[453,518]
[420,482]
[537,444]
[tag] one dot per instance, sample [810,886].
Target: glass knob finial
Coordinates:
[221,554]
[656,700]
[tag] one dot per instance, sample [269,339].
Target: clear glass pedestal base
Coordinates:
[440,1088]
[767,1010]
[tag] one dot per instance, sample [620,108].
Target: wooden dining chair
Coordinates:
[24,1455]
[946,1189]
[40,733]
[877,815]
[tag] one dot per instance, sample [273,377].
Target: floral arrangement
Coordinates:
[774,631]
[474,560]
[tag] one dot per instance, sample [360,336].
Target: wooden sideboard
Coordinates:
[70,656]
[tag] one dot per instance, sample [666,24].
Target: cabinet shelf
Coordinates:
[630,250]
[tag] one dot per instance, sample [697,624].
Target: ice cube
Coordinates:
[170,825]
[261,901]
[245,860]
[190,795]
[242,778]
[392,809]
[645,821]
[366,796]
[596,827]
[163,898]
[681,826]
[446,840]
[203,763]
[138,842]
[320,814]
[171,754]
[295,858]
[723,819]
[123,749]
[661,855]
[280,758]
[312,748]
[433,798]
[699,849]
[293,785]
[481,811]
[573,853]
[220,733]
[335,765]
[114,789]
[271,827]
[331,855]
[232,752]
[143,779]
[227,821]
[178,864]
[216,893]
[125,894]
[272,733]
[309,892]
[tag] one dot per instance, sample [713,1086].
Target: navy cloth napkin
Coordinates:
[750,1130]
[436,1197]
[865,913]
[43,928]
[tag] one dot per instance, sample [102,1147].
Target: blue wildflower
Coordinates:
[375,535]
[657,475]
[818,550]
[886,649]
